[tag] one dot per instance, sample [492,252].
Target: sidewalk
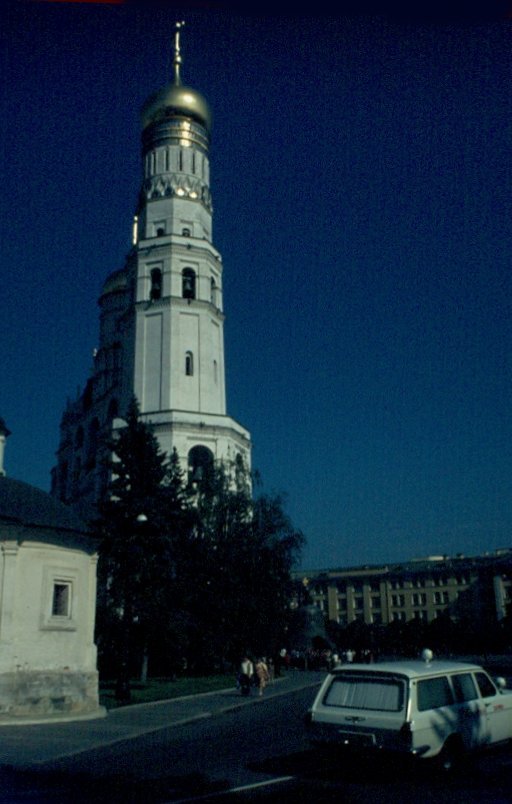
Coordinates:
[32,745]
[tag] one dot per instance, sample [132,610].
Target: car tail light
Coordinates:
[406,734]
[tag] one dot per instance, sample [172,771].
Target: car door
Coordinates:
[471,715]
[498,709]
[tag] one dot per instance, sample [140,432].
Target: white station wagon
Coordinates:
[428,709]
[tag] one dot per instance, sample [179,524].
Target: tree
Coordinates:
[244,551]
[187,569]
[136,545]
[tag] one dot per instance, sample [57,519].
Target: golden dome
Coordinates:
[175,98]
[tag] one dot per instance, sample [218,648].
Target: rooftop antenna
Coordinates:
[177,53]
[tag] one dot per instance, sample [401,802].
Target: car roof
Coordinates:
[410,668]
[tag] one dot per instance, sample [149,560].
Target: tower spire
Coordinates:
[177,54]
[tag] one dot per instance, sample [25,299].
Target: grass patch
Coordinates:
[160,689]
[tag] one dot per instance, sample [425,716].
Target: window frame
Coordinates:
[189,284]
[53,578]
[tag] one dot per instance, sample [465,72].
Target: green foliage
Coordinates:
[240,560]
[137,543]
[187,570]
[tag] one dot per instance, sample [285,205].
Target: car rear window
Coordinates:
[366,692]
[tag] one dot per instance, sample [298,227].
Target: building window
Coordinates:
[61,601]
[185,232]
[189,364]
[58,610]
[113,410]
[63,481]
[213,292]
[188,283]
[79,439]
[76,474]
[156,284]
[92,446]
[215,372]
[200,464]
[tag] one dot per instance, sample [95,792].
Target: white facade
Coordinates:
[47,610]
[161,316]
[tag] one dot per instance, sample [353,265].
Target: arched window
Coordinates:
[87,395]
[79,438]
[189,364]
[113,410]
[200,464]
[92,445]
[213,291]
[63,481]
[77,468]
[185,232]
[215,372]
[116,357]
[156,284]
[188,283]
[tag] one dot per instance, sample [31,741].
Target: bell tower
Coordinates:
[179,371]
[162,315]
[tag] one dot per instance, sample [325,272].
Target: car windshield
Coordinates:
[377,692]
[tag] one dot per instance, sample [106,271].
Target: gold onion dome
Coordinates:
[175,98]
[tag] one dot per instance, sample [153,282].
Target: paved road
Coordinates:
[35,758]
[219,748]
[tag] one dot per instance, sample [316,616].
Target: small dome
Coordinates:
[118,280]
[176,99]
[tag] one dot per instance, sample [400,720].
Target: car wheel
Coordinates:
[450,757]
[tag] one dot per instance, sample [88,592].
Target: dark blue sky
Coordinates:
[361,179]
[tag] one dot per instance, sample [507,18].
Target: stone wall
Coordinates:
[39,696]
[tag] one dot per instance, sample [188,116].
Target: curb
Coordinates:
[182,722]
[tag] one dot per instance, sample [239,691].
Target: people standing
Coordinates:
[262,675]
[246,676]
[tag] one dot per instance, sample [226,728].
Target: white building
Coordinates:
[161,316]
[47,609]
